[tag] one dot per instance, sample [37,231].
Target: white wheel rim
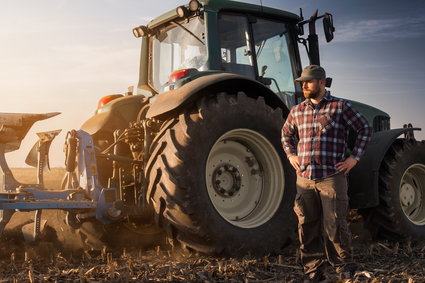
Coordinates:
[412,193]
[245,178]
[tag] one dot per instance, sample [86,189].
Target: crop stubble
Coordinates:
[58,257]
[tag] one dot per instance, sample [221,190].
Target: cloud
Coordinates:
[381,30]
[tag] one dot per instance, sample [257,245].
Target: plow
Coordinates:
[88,197]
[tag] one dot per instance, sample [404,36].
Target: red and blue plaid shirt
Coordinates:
[318,135]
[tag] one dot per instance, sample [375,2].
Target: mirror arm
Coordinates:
[303,41]
[313,41]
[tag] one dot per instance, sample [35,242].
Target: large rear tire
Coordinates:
[401,213]
[219,180]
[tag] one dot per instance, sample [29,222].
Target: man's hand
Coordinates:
[295,162]
[346,165]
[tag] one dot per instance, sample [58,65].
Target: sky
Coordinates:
[63,56]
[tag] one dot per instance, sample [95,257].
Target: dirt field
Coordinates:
[59,257]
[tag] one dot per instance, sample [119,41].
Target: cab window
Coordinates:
[273,58]
[236,55]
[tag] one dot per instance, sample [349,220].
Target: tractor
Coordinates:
[194,152]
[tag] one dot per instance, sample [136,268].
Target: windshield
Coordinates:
[178,46]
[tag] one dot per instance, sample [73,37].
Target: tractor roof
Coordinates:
[226,5]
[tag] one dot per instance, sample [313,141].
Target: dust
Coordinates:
[15,247]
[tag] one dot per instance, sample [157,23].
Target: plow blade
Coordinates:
[31,231]
[14,127]
[40,150]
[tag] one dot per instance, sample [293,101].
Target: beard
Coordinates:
[311,93]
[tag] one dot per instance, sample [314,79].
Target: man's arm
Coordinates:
[289,132]
[364,132]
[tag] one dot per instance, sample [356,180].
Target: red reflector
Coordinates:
[106,99]
[179,74]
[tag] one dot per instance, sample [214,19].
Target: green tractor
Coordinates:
[196,150]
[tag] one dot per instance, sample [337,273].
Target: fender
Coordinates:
[171,100]
[363,179]
[106,121]
[117,114]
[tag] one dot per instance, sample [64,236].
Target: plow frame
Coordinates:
[87,197]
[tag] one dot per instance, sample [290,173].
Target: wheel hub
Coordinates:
[407,194]
[244,178]
[226,180]
[412,192]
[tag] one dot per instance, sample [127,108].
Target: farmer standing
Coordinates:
[314,138]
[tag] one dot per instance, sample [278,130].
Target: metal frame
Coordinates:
[89,195]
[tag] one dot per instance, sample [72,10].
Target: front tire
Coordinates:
[401,213]
[219,180]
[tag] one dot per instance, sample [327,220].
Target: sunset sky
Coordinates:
[62,56]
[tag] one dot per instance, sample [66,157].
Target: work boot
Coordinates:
[316,277]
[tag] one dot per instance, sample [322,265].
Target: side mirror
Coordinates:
[328,82]
[328,27]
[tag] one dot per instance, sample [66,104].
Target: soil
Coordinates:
[59,256]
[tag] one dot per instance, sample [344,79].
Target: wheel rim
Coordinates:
[412,192]
[245,178]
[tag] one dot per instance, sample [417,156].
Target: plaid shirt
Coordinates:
[321,131]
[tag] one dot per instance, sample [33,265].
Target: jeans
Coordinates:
[322,207]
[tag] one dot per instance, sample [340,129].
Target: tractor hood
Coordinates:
[368,111]
[116,114]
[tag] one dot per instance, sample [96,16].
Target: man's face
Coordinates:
[312,89]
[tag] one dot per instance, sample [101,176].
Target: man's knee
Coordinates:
[307,207]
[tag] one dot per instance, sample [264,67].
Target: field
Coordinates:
[59,257]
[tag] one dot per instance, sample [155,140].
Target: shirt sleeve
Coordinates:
[364,130]
[289,133]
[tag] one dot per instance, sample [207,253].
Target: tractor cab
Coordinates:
[194,40]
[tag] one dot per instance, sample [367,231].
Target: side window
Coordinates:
[236,56]
[273,58]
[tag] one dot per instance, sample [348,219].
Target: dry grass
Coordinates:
[52,178]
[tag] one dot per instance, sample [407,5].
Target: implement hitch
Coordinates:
[83,192]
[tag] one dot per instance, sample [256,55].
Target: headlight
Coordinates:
[141,31]
[182,12]
[194,5]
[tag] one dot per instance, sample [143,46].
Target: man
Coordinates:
[314,138]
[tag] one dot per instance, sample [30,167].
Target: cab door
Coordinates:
[260,49]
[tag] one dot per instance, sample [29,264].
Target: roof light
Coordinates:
[106,99]
[141,31]
[194,5]
[180,74]
[182,12]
